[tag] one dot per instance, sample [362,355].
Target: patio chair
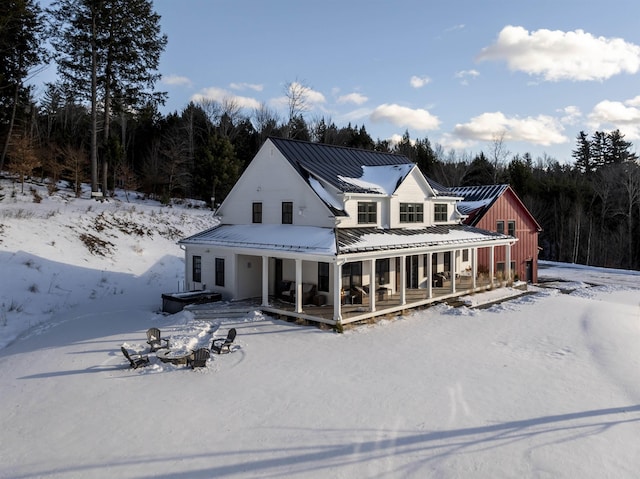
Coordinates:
[136,360]
[198,358]
[155,341]
[223,345]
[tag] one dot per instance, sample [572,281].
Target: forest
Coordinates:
[100,123]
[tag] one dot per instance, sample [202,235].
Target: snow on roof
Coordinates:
[369,239]
[380,179]
[325,195]
[308,239]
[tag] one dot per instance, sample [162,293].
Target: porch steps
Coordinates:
[222,310]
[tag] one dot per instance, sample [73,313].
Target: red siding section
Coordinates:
[509,208]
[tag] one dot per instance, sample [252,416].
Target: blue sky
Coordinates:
[461,73]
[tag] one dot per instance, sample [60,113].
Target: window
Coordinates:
[219,271]
[465,255]
[382,271]
[287,213]
[440,212]
[411,212]
[367,212]
[500,227]
[257,213]
[511,225]
[323,277]
[196,268]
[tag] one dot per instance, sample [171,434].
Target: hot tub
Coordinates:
[175,302]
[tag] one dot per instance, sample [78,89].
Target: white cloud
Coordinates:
[355,98]
[222,95]
[176,80]
[557,55]
[570,115]
[419,82]
[540,130]
[464,75]
[418,119]
[311,98]
[624,116]
[245,86]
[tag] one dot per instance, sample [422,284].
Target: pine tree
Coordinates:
[107,52]
[21,37]
[582,153]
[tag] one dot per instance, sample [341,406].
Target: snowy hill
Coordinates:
[544,385]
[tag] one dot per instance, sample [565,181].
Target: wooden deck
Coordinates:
[351,313]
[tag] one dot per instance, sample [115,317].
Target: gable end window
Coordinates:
[511,225]
[500,227]
[440,212]
[367,212]
[219,271]
[257,213]
[287,213]
[411,212]
[196,268]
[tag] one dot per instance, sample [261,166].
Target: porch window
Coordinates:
[220,272]
[500,226]
[511,225]
[196,269]
[465,255]
[287,213]
[382,271]
[440,212]
[411,212]
[367,212]
[323,277]
[257,213]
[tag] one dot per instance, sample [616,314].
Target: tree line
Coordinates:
[101,123]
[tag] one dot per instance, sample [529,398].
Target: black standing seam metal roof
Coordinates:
[348,239]
[473,194]
[330,162]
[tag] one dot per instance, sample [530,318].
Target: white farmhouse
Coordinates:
[337,235]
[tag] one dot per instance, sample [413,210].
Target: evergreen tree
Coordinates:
[618,150]
[21,36]
[582,154]
[107,52]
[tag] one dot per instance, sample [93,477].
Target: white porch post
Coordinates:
[452,268]
[492,265]
[298,285]
[474,267]
[403,280]
[507,260]
[372,285]
[265,281]
[337,289]
[429,275]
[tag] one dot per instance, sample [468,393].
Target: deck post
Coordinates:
[492,260]
[429,275]
[372,285]
[403,279]
[507,260]
[337,289]
[298,285]
[452,268]
[474,267]
[265,281]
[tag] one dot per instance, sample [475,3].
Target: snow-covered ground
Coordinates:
[542,385]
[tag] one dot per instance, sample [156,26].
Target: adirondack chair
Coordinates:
[155,341]
[198,358]
[223,345]
[136,360]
